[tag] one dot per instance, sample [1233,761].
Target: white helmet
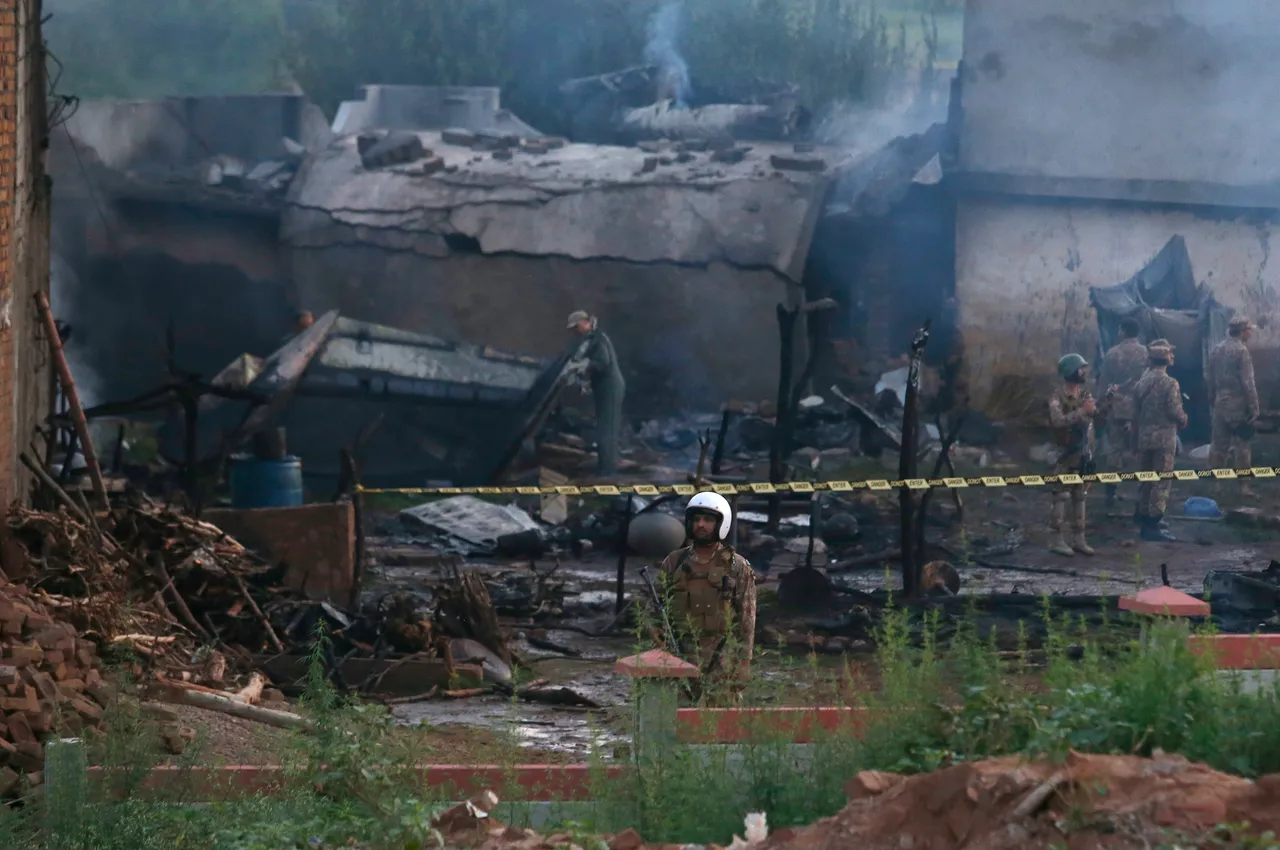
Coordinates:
[711,503]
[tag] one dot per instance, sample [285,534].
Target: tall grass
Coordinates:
[1088,691]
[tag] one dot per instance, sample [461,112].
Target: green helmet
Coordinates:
[1070,364]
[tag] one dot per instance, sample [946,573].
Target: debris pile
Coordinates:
[49,683]
[1002,804]
[150,576]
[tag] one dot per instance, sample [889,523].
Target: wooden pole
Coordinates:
[73,399]
[623,533]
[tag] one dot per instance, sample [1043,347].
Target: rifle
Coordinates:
[669,633]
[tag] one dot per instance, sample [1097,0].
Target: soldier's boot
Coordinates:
[1078,542]
[1058,544]
[1154,532]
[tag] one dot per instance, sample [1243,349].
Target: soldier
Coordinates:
[713,594]
[1122,367]
[1158,399]
[1235,399]
[1071,416]
[607,388]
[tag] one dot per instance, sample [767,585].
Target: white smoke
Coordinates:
[908,112]
[663,51]
[63,283]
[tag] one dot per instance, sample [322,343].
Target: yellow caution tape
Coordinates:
[875,485]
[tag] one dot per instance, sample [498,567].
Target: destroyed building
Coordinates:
[209,221]
[1091,134]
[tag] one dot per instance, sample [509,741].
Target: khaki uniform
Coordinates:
[1073,432]
[607,390]
[1160,414]
[1235,404]
[707,601]
[1123,367]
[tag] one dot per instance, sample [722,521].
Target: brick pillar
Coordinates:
[8,179]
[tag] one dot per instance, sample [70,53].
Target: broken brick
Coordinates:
[8,781]
[20,728]
[396,148]
[22,656]
[783,162]
[729,155]
[461,138]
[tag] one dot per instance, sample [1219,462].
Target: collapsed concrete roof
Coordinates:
[579,201]
[428,108]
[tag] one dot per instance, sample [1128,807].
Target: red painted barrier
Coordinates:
[1240,652]
[743,725]
[518,783]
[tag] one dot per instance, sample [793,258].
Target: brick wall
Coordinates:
[9,51]
[24,239]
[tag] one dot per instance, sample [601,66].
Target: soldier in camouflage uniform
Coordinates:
[1235,399]
[607,388]
[1072,411]
[713,597]
[1158,398]
[1122,368]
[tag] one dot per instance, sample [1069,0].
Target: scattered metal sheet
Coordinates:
[473,520]
[801,520]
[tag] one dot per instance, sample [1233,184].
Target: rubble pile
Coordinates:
[1090,801]
[49,683]
[146,572]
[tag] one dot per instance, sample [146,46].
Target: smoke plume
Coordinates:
[63,283]
[662,50]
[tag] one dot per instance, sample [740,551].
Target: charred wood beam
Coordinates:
[624,532]
[789,394]
[717,457]
[786,339]
[73,399]
[912,579]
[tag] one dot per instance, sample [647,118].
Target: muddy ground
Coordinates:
[999,548]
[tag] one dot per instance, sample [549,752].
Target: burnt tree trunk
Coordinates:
[777,470]
[907,463]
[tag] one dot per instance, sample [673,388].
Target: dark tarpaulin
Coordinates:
[1168,303]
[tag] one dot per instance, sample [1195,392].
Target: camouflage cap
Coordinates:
[1240,324]
[1160,348]
[577,316]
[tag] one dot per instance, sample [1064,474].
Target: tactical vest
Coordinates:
[701,593]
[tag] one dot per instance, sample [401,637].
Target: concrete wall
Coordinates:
[181,131]
[216,278]
[1180,90]
[1024,268]
[686,337]
[24,240]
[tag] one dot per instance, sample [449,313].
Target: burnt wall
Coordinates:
[686,337]
[888,273]
[215,278]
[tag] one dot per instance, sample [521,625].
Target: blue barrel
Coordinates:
[265,483]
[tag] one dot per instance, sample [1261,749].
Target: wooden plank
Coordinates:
[409,677]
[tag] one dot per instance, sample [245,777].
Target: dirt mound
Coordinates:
[1002,804]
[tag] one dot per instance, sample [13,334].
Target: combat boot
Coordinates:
[1153,532]
[1079,544]
[1058,544]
